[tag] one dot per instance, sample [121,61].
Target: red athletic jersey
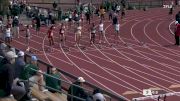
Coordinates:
[177,33]
[50,33]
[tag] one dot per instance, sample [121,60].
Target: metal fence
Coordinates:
[45,67]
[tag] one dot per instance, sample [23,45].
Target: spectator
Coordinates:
[76,90]
[45,13]
[28,10]
[8,83]
[70,18]
[177,33]
[60,14]
[171,10]
[98,96]
[123,13]
[88,17]
[89,98]
[38,24]
[123,3]
[19,64]
[50,17]
[55,5]
[36,11]
[32,72]
[3,49]
[118,8]
[19,67]
[77,18]
[6,74]
[78,2]
[176,2]
[110,14]
[115,19]
[178,17]
[54,83]
[12,49]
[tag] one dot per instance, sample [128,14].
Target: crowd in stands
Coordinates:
[15,73]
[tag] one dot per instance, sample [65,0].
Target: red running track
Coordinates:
[148,60]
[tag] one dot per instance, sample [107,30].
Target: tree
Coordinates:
[4,6]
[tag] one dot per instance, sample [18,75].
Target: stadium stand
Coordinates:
[62,94]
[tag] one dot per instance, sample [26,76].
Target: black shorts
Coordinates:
[92,35]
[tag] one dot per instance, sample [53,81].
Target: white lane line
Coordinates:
[152,45]
[147,47]
[67,57]
[170,27]
[163,87]
[38,50]
[54,57]
[104,55]
[71,42]
[139,72]
[42,51]
[157,52]
[152,59]
[50,61]
[107,71]
[92,77]
[158,44]
[143,66]
[160,34]
[165,53]
[81,59]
